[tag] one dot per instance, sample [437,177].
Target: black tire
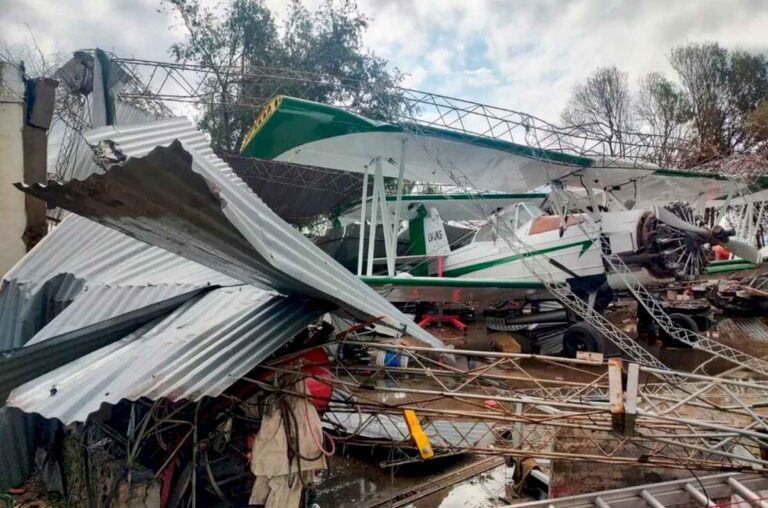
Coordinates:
[582,337]
[681,321]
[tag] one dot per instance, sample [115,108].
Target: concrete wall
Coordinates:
[13,219]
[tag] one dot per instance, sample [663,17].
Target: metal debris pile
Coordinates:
[174,340]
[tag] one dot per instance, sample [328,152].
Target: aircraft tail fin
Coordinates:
[426,233]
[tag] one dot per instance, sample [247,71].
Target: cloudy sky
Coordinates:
[523,54]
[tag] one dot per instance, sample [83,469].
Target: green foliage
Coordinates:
[756,127]
[723,87]
[714,111]
[248,53]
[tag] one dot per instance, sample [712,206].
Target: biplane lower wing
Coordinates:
[455,290]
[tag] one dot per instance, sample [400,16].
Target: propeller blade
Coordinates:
[672,220]
[744,250]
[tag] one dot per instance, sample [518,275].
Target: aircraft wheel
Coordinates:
[582,337]
[681,321]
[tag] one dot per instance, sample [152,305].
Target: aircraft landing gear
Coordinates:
[681,321]
[582,337]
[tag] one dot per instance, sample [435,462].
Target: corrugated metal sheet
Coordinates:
[98,254]
[743,329]
[21,435]
[97,317]
[182,201]
[98,304]
[199,350]
[139,140]
[79,254]
[441,433]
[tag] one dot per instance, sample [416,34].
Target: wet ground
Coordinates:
[358,480]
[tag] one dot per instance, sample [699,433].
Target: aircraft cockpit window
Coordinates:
[485,233]
[534,210]
[523,216]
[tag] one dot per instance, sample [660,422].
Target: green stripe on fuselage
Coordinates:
[458,272]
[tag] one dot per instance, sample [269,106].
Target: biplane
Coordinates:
[566,212]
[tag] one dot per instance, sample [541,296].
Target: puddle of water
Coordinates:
[488,489]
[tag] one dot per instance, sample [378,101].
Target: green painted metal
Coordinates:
[688,174]
[744,265]
[726,262]
[287,123]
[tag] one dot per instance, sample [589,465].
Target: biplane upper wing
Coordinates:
[456,207]
[305,132]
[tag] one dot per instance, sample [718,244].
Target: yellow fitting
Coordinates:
[418,434]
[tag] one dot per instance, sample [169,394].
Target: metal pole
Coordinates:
[386,226]
[362,222]
[400,175]
[374,219]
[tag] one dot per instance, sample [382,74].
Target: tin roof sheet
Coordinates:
[198,350]
[170,195]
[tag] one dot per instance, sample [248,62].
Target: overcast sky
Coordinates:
[524,55]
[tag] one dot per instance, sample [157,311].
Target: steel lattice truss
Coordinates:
[520,405]
[186,83]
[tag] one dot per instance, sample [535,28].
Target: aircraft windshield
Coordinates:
[518,216]
[524,213]
[485,233]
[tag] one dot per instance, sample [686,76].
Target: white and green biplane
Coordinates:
[593,209]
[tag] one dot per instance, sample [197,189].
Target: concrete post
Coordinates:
[13,218]
[26,110]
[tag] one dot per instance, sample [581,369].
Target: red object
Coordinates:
[721,253]
[440,266]
[166,480]
[445,318]
[321,386]
[491,404]
[314,363]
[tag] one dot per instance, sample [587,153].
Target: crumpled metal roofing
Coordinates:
[99,254]
[80,254]
[170,195]
[97,317]
[198,350]
[98,304]
[441,432]
[21,435]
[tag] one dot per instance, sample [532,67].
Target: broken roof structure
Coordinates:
[210,217]
[194,283]
[197,350]
[213,232]
[82,255]
[174,280]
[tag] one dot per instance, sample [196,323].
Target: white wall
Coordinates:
[13,217]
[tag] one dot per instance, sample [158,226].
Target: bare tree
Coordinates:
[601,107]
[664,111]
[29,57]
